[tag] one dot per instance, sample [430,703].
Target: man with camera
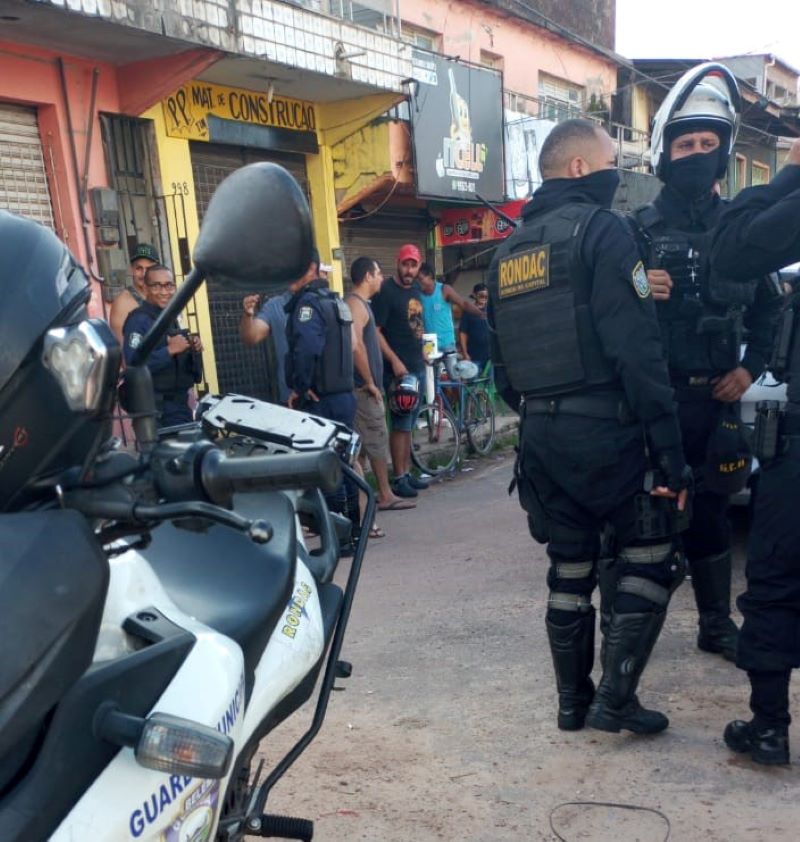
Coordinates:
[176,364]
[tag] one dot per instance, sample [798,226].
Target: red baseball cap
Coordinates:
[409,252]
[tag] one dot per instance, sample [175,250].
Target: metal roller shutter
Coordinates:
[249,371]
[381,239]
[23,177]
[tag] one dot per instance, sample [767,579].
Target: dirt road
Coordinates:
[446,730]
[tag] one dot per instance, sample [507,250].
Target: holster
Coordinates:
[529,498]
[767,434]
[659,517]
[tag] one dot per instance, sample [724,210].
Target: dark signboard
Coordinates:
[457,118]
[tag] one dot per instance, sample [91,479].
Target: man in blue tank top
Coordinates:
[437,303]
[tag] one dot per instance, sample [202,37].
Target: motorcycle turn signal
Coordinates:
[167,743]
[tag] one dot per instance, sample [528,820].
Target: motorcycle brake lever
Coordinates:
[258,530]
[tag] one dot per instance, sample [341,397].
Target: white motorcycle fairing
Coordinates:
[128,801]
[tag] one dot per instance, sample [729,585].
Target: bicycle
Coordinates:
[437,435]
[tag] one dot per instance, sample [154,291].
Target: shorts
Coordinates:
[370,424]
[405,423]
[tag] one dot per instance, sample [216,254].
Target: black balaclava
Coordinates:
[600,186]
[694,176]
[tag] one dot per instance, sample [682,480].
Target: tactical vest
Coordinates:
[540,302]
[334,367]
[176,379]
[701,323]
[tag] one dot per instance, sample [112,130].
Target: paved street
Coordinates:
[447,728]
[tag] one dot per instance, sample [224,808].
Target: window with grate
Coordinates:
[559,99]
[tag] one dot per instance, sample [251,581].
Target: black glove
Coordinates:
[673,471]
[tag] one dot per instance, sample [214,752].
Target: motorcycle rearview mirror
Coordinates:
[256,231]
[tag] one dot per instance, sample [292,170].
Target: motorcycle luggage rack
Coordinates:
[255,813]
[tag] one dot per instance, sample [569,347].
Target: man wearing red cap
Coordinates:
[398,317]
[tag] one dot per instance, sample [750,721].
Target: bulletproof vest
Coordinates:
[785,363]
[701,323]
[334,368]
[540,302]
[181,375]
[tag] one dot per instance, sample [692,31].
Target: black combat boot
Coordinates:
[628,645]
[766,736]
[572,648]
[765,744]
[711,580]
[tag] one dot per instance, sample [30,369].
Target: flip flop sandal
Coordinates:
[376,532]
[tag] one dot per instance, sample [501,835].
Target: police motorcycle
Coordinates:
[161,612]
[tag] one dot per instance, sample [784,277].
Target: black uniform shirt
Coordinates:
[759,231]
[624,318]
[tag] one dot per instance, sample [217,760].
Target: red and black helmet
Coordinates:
[404,394]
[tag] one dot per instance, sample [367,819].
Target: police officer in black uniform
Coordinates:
[760,232]
[702,313]
[319,363]
[176,363]
[575,344]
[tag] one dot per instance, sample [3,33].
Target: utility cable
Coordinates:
[631,807]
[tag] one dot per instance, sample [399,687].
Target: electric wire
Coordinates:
[636,808]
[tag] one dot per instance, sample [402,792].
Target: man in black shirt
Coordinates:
[398,317]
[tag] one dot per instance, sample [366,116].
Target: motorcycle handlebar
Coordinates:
[222,476]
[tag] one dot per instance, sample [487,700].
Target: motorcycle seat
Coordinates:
[221,578]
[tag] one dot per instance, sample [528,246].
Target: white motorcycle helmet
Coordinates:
[706,95]
[465,370]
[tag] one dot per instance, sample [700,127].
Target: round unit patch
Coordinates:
[640,282]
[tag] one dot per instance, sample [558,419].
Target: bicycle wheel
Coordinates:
[479,421]
[435,442]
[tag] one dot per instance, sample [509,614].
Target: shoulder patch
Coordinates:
[134,340]
[524,271]
[305,314]
[640,282]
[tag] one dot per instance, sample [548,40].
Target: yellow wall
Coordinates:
[336,121]
[175,166]
[361,159]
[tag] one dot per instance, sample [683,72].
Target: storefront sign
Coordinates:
[187,110]
[475,225]
[457,119]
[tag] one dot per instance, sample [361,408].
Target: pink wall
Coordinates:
[30,76]
[526,50]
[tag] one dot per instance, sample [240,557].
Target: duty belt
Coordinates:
[589,406]
[695,388]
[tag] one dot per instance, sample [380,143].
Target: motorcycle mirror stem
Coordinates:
[136,391]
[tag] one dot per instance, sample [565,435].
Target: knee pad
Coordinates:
[563,607]
[651,572]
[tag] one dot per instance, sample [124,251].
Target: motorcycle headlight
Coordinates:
[82,357]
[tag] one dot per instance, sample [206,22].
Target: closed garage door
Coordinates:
[249,371]
[23,178]
[381,239]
